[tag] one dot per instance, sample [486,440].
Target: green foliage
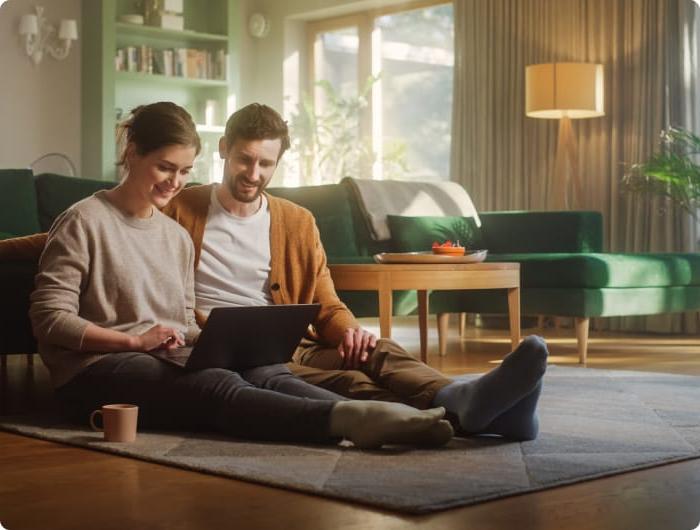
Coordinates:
[672,172]
[466,232]
[328,145]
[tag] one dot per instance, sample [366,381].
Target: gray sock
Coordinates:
[520,422]
[478,403]
[371,424]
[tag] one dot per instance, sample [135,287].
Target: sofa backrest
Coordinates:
[330,206]
[19,215]
[328,203]
[366,245]
[31,205]
[529,231]
[56,193]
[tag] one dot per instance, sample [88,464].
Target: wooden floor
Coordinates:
[45,485]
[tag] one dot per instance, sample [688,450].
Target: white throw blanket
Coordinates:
[379,198]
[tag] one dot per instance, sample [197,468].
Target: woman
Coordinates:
[114,292]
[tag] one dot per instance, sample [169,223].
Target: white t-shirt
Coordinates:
[234,266]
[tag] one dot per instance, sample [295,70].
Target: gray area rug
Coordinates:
[593,423]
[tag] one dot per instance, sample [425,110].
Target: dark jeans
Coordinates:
[266,403]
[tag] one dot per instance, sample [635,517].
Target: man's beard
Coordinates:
[232,183]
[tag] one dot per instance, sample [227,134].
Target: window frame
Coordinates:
[368,62]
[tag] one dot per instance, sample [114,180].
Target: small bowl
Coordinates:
[449,251]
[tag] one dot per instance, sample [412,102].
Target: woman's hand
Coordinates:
[159,338]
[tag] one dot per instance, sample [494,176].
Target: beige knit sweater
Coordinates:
[119,272]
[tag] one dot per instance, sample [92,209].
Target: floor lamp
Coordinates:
[565,91]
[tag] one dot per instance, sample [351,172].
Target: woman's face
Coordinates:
[160,174]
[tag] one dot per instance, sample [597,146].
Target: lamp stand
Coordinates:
[566,170]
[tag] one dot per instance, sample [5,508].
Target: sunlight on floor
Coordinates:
[481,349]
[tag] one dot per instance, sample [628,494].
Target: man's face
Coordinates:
[249,166]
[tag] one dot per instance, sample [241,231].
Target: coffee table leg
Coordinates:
[423,324]
[385,309]
[514,315]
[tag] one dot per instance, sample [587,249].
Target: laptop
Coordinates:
[239,338]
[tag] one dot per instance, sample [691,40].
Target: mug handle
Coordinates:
[92,420]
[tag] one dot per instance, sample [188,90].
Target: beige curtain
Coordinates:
[649,50]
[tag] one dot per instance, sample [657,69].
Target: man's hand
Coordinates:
[354,349]
[160,338]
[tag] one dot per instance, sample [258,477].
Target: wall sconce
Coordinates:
[39,36]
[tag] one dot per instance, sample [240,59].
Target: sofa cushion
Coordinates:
[329,206]
[529,231]
[593,270]
[573,302]
[415,234]
[56,193]
[19,215]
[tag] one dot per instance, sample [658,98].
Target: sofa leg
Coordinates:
[540,321]
[443,320]
[582,338]
[462,324]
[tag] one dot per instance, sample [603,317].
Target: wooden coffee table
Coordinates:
[385,278]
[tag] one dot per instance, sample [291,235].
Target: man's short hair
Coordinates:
[257,122]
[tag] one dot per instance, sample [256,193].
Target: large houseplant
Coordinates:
[327,145]
[672,172]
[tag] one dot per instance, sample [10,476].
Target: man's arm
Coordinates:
[336,324]
[334,318]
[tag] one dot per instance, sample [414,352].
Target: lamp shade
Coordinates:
[28,25]
[68,30]
[557,90]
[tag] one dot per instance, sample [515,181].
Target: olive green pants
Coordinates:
[389,374]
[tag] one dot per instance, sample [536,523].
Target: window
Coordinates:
[415,103]
[382,90]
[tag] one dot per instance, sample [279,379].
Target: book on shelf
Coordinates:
[166,20]
[171,6]
[172,62]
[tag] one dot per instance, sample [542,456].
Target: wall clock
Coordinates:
[258,25]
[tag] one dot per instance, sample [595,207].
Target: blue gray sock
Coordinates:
[520,422]
[478,403]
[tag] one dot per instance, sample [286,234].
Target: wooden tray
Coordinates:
[470,256]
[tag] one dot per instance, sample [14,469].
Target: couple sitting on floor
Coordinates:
[119,278]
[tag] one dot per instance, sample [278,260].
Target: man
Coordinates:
[252,248]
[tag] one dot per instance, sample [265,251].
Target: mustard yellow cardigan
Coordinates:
[298,269]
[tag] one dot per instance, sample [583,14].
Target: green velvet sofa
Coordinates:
[564,271]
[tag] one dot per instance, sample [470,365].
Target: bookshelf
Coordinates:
[169,80]
[179,36]
[125,65]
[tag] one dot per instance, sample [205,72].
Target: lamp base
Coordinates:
[566,169]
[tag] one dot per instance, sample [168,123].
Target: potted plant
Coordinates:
[673,172]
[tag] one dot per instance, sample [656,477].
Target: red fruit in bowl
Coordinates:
[448,248]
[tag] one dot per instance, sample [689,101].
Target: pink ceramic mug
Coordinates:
[118,422]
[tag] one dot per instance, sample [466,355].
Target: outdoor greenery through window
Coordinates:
[382,96]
